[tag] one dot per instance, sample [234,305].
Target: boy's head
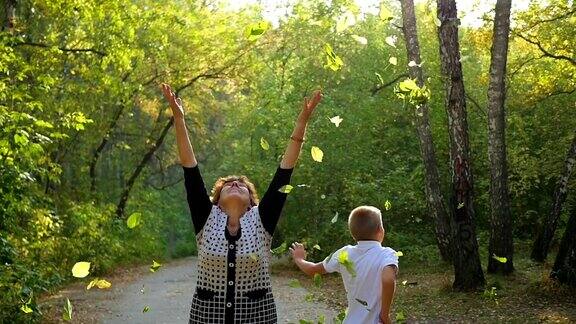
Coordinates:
[365,223]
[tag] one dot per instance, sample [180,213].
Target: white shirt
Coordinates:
[363,291]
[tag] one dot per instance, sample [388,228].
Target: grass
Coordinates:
[424,294]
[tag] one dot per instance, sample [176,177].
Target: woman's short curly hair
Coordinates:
[221,181]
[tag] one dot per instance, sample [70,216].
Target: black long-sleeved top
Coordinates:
[270,206]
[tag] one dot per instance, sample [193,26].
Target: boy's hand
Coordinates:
[298,251]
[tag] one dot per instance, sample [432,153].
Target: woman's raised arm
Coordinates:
[187,157]
[295,144]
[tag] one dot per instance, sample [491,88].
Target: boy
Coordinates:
[368,269]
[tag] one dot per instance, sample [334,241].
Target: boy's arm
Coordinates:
[388,288]
[299,255]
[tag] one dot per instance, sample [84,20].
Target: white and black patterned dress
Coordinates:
[233,271]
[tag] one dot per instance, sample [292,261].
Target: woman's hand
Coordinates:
[309,106]
[174,101]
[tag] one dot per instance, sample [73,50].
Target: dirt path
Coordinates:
[167,294]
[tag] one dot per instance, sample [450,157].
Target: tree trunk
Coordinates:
[130,183]
[544,238]
[434,197]
[10,10]
[565,266]
[501,243]
[467,268]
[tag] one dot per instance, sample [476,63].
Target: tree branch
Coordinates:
[377,88]
[64,49]
[546,52]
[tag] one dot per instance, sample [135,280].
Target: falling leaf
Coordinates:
[499,259]
[81,269]
[146,309]
[155,266]
[380,80]
[408,85]
[393,60]
[385,14]
[404,282]
[317,280]
[346,20]
[399,254]
[335,218]
[133,220]
[26,309]
[264,144]
[67,310]
[460,205]
[256,30]
[437,22]
[286,189]
[294,283]
[280,249]
[336,120]
[345,261]
[387,205]
[360,39]
[100,283]
[333,61]
[391,40]
[317,154]
[317,247]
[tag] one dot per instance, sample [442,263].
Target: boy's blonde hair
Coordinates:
[365,222]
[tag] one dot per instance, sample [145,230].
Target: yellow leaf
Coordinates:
[155,266]
[499,259]
[317,154]
[286,189]
[393,60]
[399,254]
[81,269]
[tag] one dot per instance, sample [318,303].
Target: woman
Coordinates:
[234,231]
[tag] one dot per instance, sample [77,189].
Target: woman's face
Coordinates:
[235,191]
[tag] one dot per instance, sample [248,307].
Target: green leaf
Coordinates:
[317,280]
[26,309]
[333,61]
[387,205]
[335,218]
[346,20]
[256,30]
[67,310]
[360,39]
[345,261]
[81,269]
[317,154]
[155,266]
[133,220]
[286,189]
[264,144]
[280,249]
[391,40]
[499,259]
[336,120]
[294,283]
[146,309]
